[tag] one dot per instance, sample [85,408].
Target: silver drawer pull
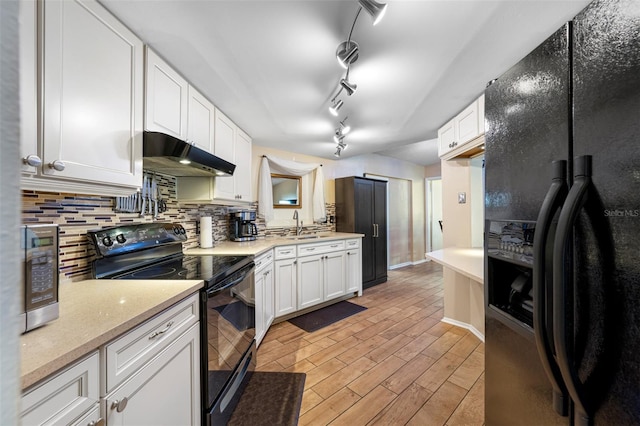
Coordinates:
[310,248]
[99,422]
[120,405]
[334,246]
[158,333]
[286,252]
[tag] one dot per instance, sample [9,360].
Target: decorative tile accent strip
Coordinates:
[76,214]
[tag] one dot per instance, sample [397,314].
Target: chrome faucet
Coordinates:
[298,226]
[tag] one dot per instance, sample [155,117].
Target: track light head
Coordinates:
[350,88]
[344,128]
[375,9]
[347,53]
[337,153]
[338,137]
[342,146]
[333,109]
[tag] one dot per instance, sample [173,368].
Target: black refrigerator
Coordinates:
[562,231]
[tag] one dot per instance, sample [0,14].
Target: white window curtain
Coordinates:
[279,165]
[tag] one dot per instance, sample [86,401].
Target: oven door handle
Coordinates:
[224,285]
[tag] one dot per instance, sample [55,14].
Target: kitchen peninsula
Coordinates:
[463,275]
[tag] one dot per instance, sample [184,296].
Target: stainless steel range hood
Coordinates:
[166,154]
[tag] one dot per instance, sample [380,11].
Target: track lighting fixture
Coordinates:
[333,109]
[375,9]
[350,88]
[344,128]
[347,53]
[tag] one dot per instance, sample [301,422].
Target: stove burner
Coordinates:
[157,272]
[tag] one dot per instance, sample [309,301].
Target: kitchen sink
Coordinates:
[303,237]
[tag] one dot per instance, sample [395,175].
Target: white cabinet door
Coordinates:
[467,124]
[224,147]
[164,392]
[242,174]
[92,95]
[268,306]
[166,98]
[285,286]
[334,274]
[259,306]
[353,271]
[28,87]
[65,397]
[200,122]
[446,138]
[310,280]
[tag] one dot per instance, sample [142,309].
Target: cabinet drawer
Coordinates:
[263,260]
[351,244]
[315,248]
[65,397]
[285,252]
[127,354]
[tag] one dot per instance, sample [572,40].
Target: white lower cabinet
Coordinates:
[285,286]
[166,391]
[264,294]
[353,267]
[65,398]
[148,376]
[310,280]
[334,275]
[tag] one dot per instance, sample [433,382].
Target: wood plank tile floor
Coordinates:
[395,363]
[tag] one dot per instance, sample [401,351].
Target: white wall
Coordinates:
[9,213]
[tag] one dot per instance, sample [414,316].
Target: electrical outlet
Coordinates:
[332,219]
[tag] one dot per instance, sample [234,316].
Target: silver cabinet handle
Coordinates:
[334,246]
[57,165]
[310,248]
[120,405]
[295,262]
[32,160]
[158,333]
[99,422]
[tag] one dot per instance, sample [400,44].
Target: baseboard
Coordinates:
[400,265]
[465,326]
[417,262]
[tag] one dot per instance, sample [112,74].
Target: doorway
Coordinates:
[433,197]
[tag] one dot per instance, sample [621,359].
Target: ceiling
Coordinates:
[270,65]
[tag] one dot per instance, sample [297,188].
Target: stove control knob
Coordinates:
[107,241]
[182,230]
[176,230]
[120,238]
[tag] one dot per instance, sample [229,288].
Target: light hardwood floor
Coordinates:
[395,363]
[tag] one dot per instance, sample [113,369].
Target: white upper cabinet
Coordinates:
[233,145]
[463,128]
[91,105]
[175,107]
[166,98]
[201,120]
[29,87]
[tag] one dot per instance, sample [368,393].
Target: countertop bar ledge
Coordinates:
[466,261]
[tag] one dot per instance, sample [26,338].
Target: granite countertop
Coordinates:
[92,313]
[260,245]
[466,261]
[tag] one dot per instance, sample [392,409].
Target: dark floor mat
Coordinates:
[326,316]
[271,399]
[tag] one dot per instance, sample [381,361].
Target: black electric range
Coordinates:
[227,307]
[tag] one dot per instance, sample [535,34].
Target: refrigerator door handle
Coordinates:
[563,286]
[542,287]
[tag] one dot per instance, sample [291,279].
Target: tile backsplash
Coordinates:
[76,214]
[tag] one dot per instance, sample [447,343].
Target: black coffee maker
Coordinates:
[243,227]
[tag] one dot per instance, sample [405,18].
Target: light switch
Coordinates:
[462,197]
